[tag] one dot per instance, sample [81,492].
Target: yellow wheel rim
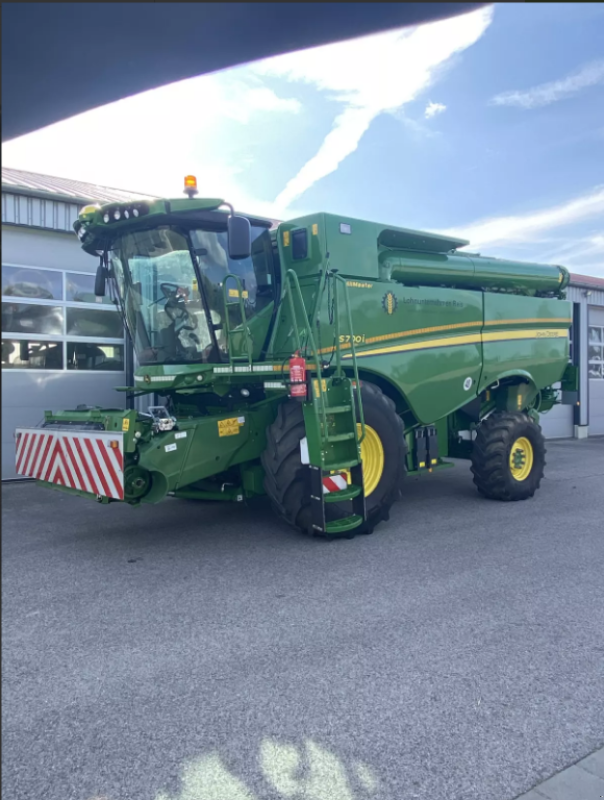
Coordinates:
[521,459]
[372,455]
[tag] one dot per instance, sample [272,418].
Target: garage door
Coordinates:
[596,371]
[558,423]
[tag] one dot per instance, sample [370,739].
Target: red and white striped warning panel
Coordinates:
[334,483]
[88,461]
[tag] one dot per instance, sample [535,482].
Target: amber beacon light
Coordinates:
[190,185]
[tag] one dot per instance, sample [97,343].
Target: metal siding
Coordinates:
[596,408]
[26,395]
[34,184]
[47,205]
[596,315]
[578,295]
[596,387]
[38,213]
[21,212]
[36,248]
[558,423]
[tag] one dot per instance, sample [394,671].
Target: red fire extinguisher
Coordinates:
[297,376]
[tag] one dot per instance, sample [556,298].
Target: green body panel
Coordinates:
[434,344]
[204,452]
[426,346]
[196,448]
[543,355]
[448,335]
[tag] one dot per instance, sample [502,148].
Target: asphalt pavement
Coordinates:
[205,652]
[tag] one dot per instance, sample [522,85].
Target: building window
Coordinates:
[91,322]
[26,282]
[93,356]
[80,289]
[51,320]
[596,352]
[30,318]
[23,354]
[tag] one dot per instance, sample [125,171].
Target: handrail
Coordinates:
[352,347]
[293,287]
[244,326]
[292,281]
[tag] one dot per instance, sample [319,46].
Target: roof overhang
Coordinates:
[55,56]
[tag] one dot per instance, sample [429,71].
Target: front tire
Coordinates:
[508,457]
[286,478]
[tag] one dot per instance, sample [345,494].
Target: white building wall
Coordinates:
[596,385]
[27,393]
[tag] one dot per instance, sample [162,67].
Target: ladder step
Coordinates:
[344,524]
[338,409]
[341,437]
[341,465]
[342,495]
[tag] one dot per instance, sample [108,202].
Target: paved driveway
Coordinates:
[191,652]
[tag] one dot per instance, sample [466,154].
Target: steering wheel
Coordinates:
[169,289]
[177,313]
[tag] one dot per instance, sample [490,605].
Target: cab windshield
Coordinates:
[173,307]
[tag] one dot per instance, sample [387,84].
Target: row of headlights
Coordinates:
[119,214]
[111,215]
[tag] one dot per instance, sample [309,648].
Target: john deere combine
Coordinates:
[317,363]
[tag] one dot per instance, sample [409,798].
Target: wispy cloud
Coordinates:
[150,141]
[583,254]
[432,109]
[370,76]
[547,93]
[531,227]
[540,235]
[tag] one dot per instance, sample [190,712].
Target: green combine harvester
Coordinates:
[316,362]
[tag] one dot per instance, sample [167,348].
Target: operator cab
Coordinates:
[175,272]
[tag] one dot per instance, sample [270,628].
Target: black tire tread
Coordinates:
[284,474]
[490,456]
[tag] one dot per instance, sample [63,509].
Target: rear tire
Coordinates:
[508,457]
[286,479]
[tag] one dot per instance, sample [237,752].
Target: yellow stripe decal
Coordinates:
[420,331]
[472,338]
[534,321]
[450,341]
[437,328]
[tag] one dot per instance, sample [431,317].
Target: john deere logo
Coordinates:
[147,379]
[390,303]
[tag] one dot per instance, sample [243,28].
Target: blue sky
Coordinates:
[489,125]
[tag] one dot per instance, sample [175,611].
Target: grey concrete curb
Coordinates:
[581,781]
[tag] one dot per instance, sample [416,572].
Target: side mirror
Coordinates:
[240,237]
[99,282]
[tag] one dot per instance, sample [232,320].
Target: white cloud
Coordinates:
[582,254]
[432,109]
[263,99]
[148,142]
[370,76]
[547,93]
[527,234]
[531,227]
